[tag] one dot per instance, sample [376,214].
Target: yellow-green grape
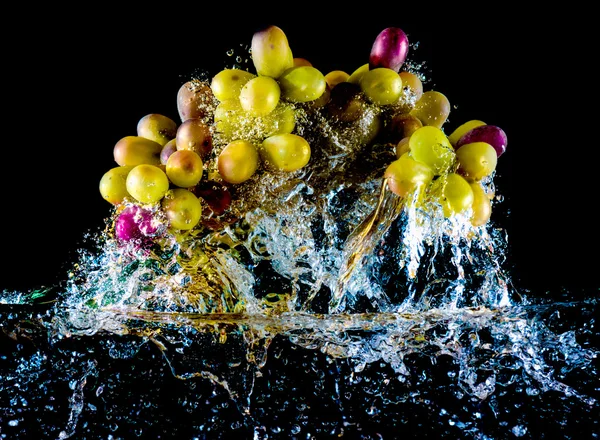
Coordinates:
[402,147]
[335,77]
[182,208]
[405,175]
[157,128]
[136,150]
[194,135]
[228,117]
[282,120]
[302,84]
[432,109]
[286,152]
[238,161]
[476,160]
[228,83]
[412,86]
[147,183]
[298,62]
[260,96]
[184,168]
[382,86]
[194,100]
[464,129]
[271,53]
[431,146]
[457,194]
[482,207]
[355,77]
[113,187]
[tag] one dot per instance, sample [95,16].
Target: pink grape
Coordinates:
[135,223]
[489,134]
[389,49]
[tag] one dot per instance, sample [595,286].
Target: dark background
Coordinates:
[76,81]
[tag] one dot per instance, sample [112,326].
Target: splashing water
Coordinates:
[386,307]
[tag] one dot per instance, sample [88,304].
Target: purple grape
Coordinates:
[389,49]
[490,134]
[135,223]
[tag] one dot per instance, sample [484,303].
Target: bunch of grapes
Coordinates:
[242,124]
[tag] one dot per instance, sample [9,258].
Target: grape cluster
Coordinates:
[241,124]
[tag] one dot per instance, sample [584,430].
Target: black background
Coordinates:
[77,81]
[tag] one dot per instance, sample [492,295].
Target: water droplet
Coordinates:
[230,53]
[13,423]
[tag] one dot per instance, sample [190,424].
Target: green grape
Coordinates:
[356,76]
[280,121]
[302,84]
[382,86]
[229,116]
[194,135]
[113,187]
[182,208]
[476,160]
[271,53]
[457,195]
[228,83]
[157,128]
[431,146]
[482,207]
[405,175]
[286,152]
[238,161]
[147,183]
[432,109]
[402,147]
[184,168]
[412,87]
[260,96]
[464,129]
[335,77]
[136,150]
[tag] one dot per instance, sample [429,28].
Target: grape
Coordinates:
[356,76]
[169,148]
[286,152]
[476,160]
[157,128]
[280,121]
[389,49]
[402,125]
[194,135]
[184,168]
[490,134]
[135,223]
[147,183]
[193,100]
[302,84]
[463,129]
[182,208]
[382,86]
[217,196]
[403,147]
[260,96]
[298,62]
[271,53]
[238,161]
[335,77]
[432,109]
[113,186]
[347,102]
[431,146]
[322,100]
[136,150]
[482,207]
[405,175]
[229,116]
[457,195]
[228,83]
[412,86]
